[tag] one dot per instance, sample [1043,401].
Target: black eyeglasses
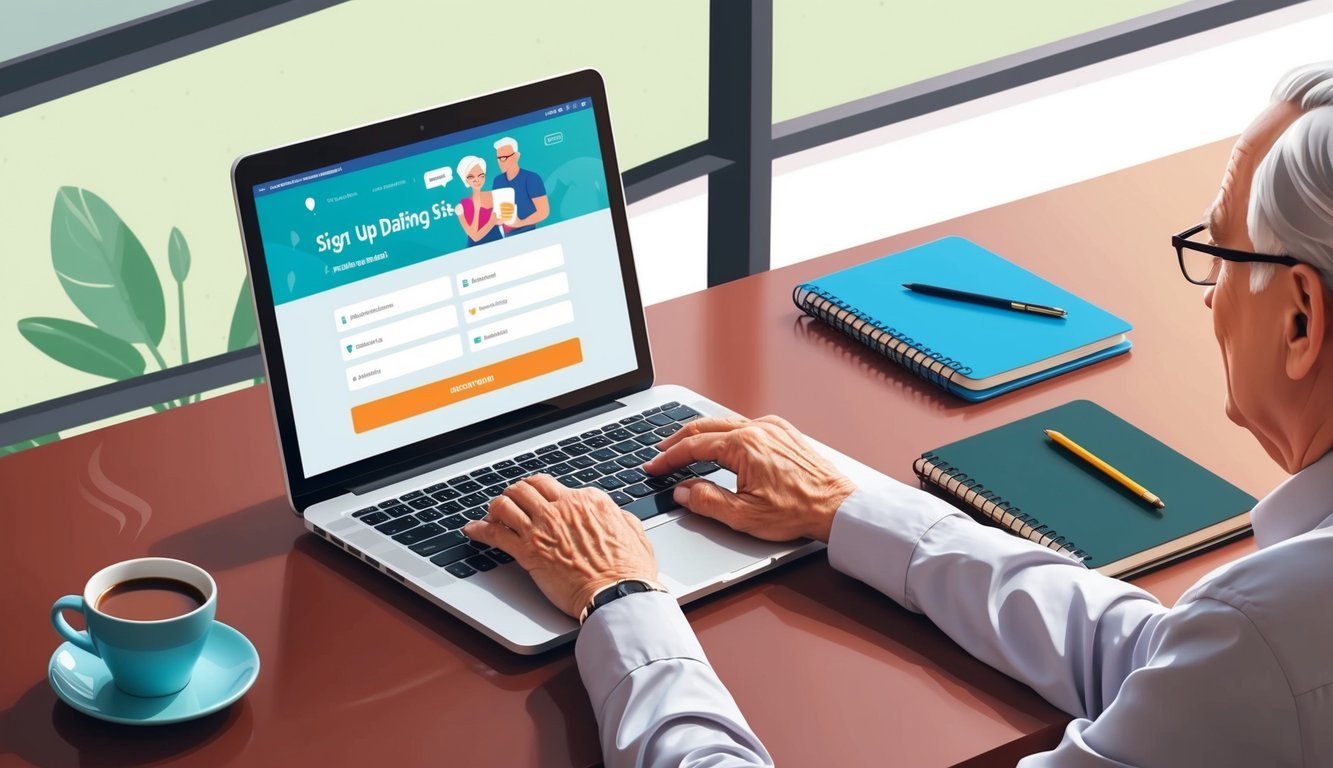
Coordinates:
[1201,263]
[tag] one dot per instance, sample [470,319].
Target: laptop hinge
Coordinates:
[477,450]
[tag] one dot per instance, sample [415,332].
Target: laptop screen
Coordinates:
[434,286]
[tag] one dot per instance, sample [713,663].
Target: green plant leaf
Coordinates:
[104,269]
[243,333]
[178,258]
[178,255]
[83,347]
[6,450]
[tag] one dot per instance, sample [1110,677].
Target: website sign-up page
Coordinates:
[434,286]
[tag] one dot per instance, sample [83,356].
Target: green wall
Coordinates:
[157,145]
[832,52]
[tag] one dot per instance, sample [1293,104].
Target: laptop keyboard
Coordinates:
[428,521]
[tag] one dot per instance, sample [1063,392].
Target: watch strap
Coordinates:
[616,591]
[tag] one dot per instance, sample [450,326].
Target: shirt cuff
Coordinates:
[629,633]
[876,531]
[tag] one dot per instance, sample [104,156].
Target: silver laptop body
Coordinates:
[415,374]
[696,556]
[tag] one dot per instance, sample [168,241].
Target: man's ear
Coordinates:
[1305,324]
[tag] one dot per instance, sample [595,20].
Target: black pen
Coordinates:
[981,298]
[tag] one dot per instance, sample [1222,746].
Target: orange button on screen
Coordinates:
[437,394]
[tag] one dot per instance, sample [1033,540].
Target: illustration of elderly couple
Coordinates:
[519,195]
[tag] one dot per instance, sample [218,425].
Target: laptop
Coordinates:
[447,303]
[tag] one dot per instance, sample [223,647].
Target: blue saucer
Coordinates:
[226,669]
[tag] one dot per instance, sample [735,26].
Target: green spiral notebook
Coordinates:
[1017,478]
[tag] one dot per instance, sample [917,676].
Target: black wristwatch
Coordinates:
[617,591]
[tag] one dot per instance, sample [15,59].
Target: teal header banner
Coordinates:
[353,225]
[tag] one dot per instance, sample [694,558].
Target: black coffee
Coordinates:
[150,599]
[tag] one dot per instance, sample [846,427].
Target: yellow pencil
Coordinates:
[1112,472]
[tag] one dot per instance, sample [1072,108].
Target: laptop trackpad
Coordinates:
[694,550]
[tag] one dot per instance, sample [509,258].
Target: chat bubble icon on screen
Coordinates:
[438,177]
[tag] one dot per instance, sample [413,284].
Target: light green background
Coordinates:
[158,145]
[833,51]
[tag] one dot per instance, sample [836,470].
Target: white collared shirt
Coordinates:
[1238,673]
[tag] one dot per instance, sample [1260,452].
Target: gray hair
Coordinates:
[467,164]
[506,141]
[1291,201]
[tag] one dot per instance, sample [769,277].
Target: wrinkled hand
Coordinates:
[784,489]
[574,543]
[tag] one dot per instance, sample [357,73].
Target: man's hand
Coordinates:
[574,543]
[784,490]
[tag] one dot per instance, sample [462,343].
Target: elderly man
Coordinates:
[1239,672]
[530,201]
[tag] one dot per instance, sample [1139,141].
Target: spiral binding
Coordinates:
[901,349]
[932,469]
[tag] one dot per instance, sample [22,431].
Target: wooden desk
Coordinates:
[357,670]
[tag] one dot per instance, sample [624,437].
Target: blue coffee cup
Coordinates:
[145,658]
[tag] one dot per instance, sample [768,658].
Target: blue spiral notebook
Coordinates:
[974,351]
